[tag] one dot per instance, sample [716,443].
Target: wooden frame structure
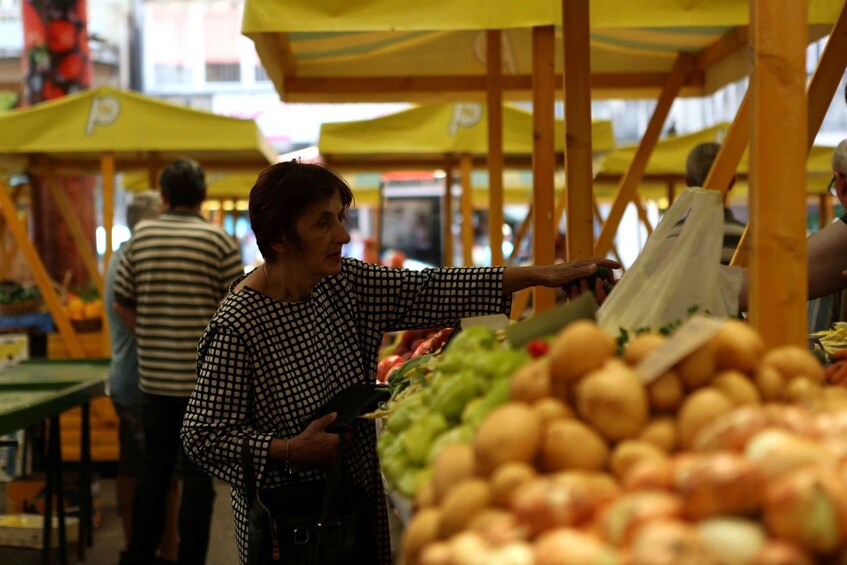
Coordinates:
[688,74]
[88,144]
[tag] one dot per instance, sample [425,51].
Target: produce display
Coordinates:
[734,455]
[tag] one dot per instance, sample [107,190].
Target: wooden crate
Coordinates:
[92,345]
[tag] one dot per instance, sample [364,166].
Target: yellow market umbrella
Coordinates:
[105,130]
[422,136]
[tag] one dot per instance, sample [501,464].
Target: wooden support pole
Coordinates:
[722,173]
[495,145]
[447,216]
[153,170]
[71,219]
[819,93]
[107,170]
[778,270]
[632,178]
[42,279]
[578,155]
[543,157]
[465,170]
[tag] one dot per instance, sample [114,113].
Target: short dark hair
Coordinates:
[282,193]
[699,162]
[184,183]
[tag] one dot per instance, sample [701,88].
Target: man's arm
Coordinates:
[827,261]
[127,315]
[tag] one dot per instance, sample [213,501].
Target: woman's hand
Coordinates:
[558,275]
[561,274]
[314,448]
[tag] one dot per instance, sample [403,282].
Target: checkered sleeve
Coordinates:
[124,288]
[398,299]
[218,415]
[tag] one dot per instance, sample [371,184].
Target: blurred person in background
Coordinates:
[172,277]
[126,396]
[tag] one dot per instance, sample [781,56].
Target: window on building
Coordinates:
[261,75]
[223,72]
[169,73]
[221,50]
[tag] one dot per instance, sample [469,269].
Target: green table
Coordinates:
[39,391]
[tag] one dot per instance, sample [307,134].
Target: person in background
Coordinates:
[171,278]
[127,398]
[697,166]
[308,324]
[826,249]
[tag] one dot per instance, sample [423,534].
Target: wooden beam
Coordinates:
[543,157]
[778,270]
[727,45]
[107,171]
[494,51]
[71,219]
[465,170]
[520,301]
[819,93]
[382,88]
[630,181]
[578,156]
[42,279]
[447,216]
[723,171]
[642,213]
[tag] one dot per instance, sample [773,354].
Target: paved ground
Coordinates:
[108,536]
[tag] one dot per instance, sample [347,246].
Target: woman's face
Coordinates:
[322,234]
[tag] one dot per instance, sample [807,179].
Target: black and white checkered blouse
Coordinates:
[265,366]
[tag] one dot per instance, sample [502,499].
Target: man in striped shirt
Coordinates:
[173,274]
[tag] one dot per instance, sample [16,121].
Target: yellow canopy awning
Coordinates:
[669,156]
[390,50]
[76,129]
[428,133]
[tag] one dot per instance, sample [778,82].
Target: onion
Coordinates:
[506,479]
[720,483]
[650,474]
[809,508]
[564,546]
[780,552]
[700,409]
[621,518]
[667,542]
[778,452]
[629,452]
[731,540]
[732,431]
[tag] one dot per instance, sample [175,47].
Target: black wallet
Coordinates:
[349,404]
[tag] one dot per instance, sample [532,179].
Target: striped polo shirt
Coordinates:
[174,271]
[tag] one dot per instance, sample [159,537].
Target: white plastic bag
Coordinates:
[673,276]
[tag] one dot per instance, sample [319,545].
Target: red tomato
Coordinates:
[537,348]
[440,338]
[71,67]
[61,36]
[385,365]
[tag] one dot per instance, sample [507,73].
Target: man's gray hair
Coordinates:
[699,162]
[144,205]
[839,158]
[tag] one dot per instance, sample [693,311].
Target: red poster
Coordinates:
[56,57]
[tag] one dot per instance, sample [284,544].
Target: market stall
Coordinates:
[442,136]
[105,130]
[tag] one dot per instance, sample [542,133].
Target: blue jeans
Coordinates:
[162,417]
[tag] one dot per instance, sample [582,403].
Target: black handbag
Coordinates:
[313,522]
